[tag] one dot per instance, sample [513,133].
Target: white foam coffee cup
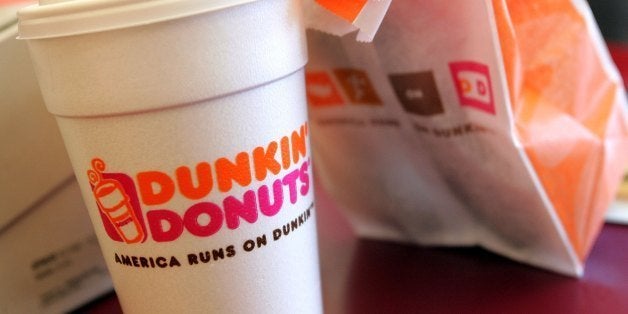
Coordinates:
[186,124]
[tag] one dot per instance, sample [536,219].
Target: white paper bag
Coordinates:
[492,123]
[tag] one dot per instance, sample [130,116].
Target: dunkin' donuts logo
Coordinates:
[134,208]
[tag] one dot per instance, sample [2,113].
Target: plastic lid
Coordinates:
[160,65]
[65,18]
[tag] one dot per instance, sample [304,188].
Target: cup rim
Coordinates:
[90,16]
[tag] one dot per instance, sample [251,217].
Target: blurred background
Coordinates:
[612,17]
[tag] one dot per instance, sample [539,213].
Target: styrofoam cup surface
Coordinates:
[220,95]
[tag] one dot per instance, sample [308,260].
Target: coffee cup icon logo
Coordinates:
[115,204]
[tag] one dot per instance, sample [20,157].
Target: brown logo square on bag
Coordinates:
[417,93]
[357,86]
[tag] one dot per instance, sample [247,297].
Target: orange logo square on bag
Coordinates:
[320,90]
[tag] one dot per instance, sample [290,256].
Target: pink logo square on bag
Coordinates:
[473,84]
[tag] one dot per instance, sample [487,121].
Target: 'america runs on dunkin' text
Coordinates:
[134,208]
[217,254]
